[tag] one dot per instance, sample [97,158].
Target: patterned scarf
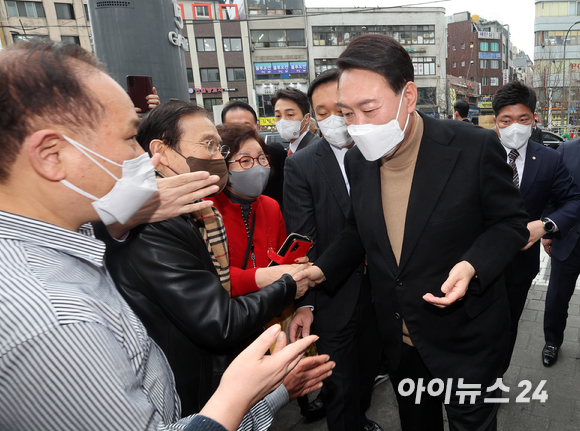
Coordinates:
[213,232]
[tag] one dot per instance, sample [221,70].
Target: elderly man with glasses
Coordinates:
[175,274]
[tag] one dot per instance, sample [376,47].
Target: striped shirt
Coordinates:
[73,355]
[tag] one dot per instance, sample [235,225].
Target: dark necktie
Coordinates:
[513,155]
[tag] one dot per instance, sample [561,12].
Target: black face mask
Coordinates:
[213,166]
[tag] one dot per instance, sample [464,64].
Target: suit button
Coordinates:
[399,282]
[358,272]
[397,316]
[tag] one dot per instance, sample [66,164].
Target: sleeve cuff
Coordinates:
[277,399]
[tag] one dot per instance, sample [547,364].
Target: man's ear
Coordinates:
[45,153]
[410,96]
[157,146]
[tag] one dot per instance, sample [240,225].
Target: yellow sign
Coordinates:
[267,121]
[484,105]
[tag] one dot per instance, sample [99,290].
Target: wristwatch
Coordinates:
[549,225]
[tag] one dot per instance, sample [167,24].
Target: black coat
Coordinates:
[463,205]
[165,273]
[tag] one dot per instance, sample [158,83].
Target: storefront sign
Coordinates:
[488,35]
[416,50]
[268,121]
[298,67]
[490,55]
[484,105]
[212,90]
[263,68]
[280,68]
[175,37]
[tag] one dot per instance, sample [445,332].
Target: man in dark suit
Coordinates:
[317,203]
[542,177]
[237,111]
[434,209]
[565,254]
[461,111]
[292,112]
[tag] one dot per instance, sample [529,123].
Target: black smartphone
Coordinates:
[139,87]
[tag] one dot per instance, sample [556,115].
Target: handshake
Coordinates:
[306,277]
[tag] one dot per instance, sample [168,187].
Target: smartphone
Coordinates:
[139,87]
[294,247]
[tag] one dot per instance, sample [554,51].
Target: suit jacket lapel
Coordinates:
[531,165]
[326,160]
[435,163]
[373,204]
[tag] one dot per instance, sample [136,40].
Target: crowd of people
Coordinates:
[136,284]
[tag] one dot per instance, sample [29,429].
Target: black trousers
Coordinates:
[561,287]
[427,415]
[356,349]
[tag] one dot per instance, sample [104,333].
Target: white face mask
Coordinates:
[288,129]
[131,191]
[515,136]
[376,141]
[335,131]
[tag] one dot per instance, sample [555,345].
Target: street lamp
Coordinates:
[564,72]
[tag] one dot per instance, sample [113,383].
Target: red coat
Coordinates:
[269,232]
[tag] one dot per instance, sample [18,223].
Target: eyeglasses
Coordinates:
[247,162]
[213,146]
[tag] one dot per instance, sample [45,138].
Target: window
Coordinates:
[275,7]
[494,82]
[232,44]
[483,64]
[208,103]
[463,46]
[205,44]
[483,46]
[495,64]
[471,44]
[86,11]
[236,74]
[453,47]
[25,8]
[278,38]
[462,63]
[323,64]
[75,40]
[495,46]
[229,12]
[484,80]
[424,65]
[210,75]
[190,75]
[427,96]
[241,99]
[342,35]
[201,11]
[454,64]
[64,11]
[17,37]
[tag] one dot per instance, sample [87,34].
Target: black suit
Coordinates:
[275,186]
[463,205]
[565,261]
[308,139]
[545,179]
[317,205]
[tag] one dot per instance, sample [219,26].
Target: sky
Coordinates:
[518,14]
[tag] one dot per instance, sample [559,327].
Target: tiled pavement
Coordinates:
[561,411]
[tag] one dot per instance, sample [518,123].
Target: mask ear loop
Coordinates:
[86,152]
[399,111]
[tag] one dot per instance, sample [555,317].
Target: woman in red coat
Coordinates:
[247,213]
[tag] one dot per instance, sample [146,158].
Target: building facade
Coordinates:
[279,50]
[64,20]
[557,63]
[420,30]
[219,60]
[479,51]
